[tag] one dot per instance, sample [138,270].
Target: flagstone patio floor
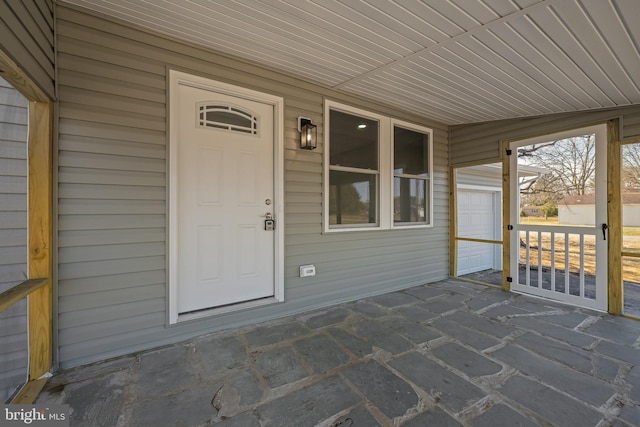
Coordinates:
[445,354]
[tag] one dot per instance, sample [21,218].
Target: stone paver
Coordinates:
[614,332]
[575,357]
[368,309]
[440,305]
[426,292]
[433,417]
[502,415]
[308,406]
[105,407]
[504,310]
[558,332]
[190,407]
[485,299]
[554,407]
[446,354]
[383,388]
[246,419]
[219,354]
[444,386]
[576,383]
[265,335]
[480,323]
[394,299]
[358,417]
[472,364]
[467,336]
[631,414]
[414,332]
[280,366]
[535,306]
[247,387]
[330,317]
[620,352]
[165,369]
[354,344]
[379,336]
[568,320]
[415,314]
[321,353]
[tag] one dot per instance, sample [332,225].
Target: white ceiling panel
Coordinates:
[457,61]
[582,43]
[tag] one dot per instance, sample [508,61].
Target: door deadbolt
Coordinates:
[269,222]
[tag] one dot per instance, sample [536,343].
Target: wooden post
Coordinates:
[506,209]
[39,225]
[615,284]
[453,223]
[40,236]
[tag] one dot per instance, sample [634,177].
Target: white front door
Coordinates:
[224,192]
[560,261]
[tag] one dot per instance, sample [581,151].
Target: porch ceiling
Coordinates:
[456,61]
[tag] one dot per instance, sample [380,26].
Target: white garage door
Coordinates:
[478,218]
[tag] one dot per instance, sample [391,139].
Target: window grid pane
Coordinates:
[354,141]
[411,176]
[410,152]
[353,170]
[352,198]
[410,200]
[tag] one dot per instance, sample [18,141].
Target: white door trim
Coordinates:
[600,303]
[177,78]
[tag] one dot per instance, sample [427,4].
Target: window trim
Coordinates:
[429,184]
[385,170]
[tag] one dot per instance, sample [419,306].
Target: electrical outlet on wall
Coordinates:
[307,270]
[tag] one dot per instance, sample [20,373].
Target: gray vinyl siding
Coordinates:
[475,179]
[112,158]
[480,142]
[26,35]
[13,236]
[631,125]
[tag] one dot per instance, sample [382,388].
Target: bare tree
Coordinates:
[546,189]
[570,165]
[631,167]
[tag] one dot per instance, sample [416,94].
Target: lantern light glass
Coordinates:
[308,134]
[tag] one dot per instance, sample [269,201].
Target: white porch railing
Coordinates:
[559,262]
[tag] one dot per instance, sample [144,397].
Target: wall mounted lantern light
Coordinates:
[308,134]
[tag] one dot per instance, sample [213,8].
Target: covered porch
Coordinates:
[447,353]
[89,220]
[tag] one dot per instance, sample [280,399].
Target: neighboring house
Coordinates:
[154,135]
[532,210]
[580,210]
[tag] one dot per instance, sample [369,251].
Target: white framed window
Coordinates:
[412,170]
[377,171]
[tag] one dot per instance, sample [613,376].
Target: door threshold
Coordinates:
[228,308]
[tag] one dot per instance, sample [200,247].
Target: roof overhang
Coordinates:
[455,61]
